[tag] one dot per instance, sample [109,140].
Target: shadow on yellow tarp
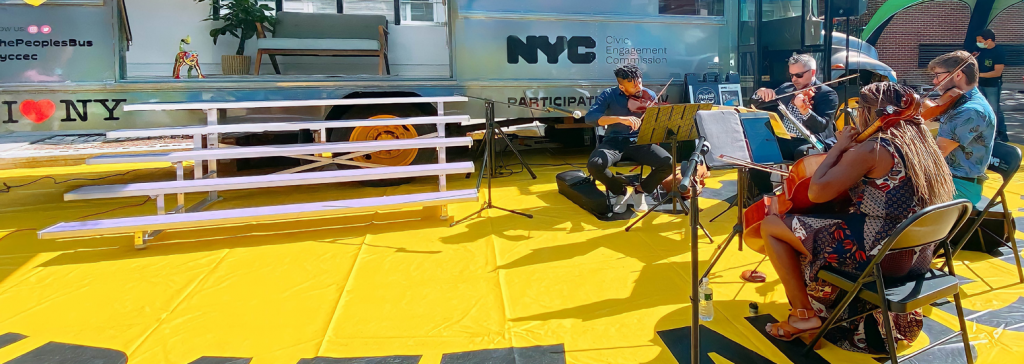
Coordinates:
[404,284]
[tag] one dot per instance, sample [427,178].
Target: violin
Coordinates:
[949,99]
[794,197]
[641,103]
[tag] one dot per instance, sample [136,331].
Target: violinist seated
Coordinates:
[888,177]
[967,131]
[622,125]
[814,108]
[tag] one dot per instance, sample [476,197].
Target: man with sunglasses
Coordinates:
[815,113]
[967,132]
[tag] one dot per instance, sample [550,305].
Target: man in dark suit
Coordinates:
[815,113]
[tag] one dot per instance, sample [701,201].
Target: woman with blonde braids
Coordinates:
[890,176]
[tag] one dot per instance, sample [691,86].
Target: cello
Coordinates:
[794,197]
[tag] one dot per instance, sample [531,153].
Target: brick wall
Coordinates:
[1009,28]
[941,21]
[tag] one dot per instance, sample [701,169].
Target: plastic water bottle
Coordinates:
[707,310]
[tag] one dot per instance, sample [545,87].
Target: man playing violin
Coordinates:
[622,125]
[967,131]
[814,108]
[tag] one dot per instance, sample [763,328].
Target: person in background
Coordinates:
[967,132]
[622,125]
[991,61]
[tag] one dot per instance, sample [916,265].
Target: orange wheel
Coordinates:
[397,157]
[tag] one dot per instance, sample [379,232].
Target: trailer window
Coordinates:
[692,7]
[305,6]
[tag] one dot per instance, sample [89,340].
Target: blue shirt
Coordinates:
[973,126]
[613,102]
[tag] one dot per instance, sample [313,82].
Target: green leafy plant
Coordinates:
[240,20]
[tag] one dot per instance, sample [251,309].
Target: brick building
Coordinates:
[936,23]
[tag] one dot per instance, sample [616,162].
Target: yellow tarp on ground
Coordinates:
[402,284]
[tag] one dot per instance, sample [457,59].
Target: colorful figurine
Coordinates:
[189,58]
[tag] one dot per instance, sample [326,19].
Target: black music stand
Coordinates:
[489,137]
[670,123]
[731,144]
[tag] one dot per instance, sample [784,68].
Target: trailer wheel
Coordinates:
[398,157]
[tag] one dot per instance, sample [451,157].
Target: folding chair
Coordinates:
[907,293]
[1006,162]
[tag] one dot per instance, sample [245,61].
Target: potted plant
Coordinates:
[239,21]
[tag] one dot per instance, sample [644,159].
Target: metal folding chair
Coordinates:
[1005,161]
[907,293]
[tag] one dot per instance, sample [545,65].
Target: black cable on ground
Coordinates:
[7,188]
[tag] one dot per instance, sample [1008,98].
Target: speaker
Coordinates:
[848,8]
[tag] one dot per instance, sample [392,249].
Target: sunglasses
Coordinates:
[799,75]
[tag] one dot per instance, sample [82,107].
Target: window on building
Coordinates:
[305,6]
[422,12]
[692,7]
[371,7]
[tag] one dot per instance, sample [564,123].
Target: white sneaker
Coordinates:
[620,203]
[644,201]
[641,202]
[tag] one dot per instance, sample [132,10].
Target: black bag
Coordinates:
[582,190]
[989,236]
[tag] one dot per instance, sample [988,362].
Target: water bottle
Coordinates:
[707,310]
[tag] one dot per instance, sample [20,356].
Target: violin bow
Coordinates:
[949,76]
[753,165]
[813,86]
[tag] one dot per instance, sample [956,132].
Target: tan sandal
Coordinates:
[787,332]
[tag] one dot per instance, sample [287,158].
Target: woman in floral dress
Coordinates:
[889,177]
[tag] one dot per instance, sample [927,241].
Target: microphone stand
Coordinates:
[489,163]
[696,159]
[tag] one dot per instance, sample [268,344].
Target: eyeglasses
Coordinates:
[937,74]
[799,75]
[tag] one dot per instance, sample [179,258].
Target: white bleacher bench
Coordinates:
[275,180]
[206,180]
[248,215]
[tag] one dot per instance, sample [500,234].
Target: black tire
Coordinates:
[423,156]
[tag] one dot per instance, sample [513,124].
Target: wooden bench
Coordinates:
[207,180]
[325,34]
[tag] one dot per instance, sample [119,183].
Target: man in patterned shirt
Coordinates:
[967,132]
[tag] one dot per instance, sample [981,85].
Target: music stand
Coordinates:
[721,129]
[672,124]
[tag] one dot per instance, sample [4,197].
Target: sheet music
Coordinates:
[679,118]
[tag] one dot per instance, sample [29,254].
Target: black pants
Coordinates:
[614,149]
[792,149]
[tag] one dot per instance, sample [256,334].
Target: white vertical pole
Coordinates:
[212,142]
[180,171]
[197,165]
[442,158]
